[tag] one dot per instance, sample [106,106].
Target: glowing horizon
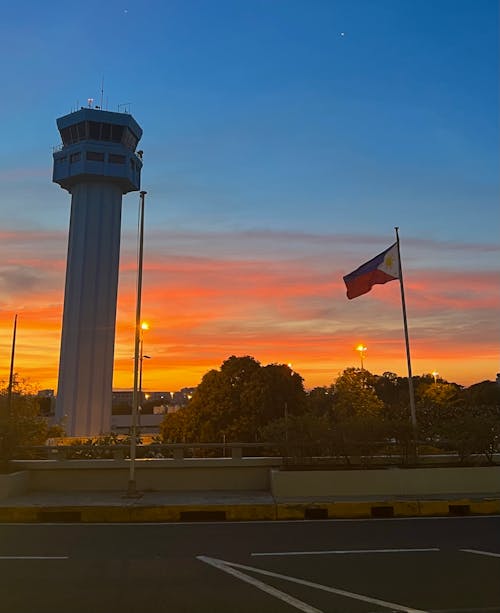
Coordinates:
[208,304]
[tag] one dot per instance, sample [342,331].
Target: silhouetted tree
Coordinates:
[354,395]
[236,401]
[320,401]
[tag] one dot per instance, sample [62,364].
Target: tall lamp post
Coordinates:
[11,372]
[132,488]
[286,408]
[361,349]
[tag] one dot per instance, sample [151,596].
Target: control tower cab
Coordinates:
[98,145]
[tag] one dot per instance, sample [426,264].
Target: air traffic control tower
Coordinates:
[96,164]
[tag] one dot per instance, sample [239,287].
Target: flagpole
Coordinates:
[407,341]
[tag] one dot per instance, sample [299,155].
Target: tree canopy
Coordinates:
[236,402]
[248,402]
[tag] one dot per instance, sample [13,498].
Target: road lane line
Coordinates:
[340,551]
[318,586]
[272,591]
[34,557]
[482,553]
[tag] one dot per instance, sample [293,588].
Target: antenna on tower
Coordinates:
[102,90]
[125,106]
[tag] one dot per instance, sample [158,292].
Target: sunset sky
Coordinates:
[283,141]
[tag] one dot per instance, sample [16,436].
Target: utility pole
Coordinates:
[11,372]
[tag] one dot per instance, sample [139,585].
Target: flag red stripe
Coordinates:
[363,283]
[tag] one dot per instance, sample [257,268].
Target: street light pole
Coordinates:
[11,372]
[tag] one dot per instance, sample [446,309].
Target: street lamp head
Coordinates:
[361,349]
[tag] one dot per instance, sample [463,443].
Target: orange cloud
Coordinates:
[276,296]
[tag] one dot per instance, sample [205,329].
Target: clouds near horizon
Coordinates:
[278,296]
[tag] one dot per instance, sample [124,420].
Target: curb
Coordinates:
[250,512]
[385,509]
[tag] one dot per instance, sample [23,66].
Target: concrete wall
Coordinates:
[224,474]
[155,475]
[13,484]
[389,482]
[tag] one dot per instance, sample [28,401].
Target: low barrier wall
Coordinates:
[151,474]
[385,482]
[13,484]
[264,474]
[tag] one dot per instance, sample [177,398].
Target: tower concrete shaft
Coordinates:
[97,164]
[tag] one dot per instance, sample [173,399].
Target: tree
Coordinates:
[302,435]
[354,395]
[486,393]
[471,430]
[236,401]
[21,424]
[22,399]
[436,404]
[393,391]
[320,400]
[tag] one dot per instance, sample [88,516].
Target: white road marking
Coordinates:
[34,557]
[294,602]
[482,553]
[223,565]
[340,551]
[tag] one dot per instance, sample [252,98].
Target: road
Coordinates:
[343,566]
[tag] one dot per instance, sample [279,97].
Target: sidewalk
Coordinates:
[149,506]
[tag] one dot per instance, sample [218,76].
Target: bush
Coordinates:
[23,431]
[471,432]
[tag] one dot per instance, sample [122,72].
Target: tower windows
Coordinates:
[129,139]
[73,134]
[80,129]
[106,131]
[95,130]
[94,156]
[75,157]
[117,133]
[114,158]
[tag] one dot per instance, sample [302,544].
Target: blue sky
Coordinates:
[274,131]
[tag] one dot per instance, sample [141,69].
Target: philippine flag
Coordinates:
[382,268]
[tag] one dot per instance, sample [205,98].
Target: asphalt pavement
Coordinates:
[435,565]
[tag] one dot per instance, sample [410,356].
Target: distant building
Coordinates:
[126,397]
[160,397]
[150,418]
[183,396]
